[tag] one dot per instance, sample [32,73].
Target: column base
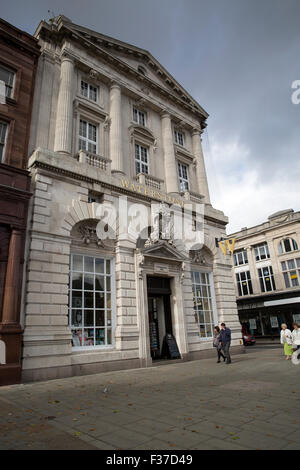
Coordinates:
[10,367]
[10,374]
[118,173]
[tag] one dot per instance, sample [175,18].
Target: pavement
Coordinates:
[253,403]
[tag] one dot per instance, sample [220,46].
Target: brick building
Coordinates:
[19,54]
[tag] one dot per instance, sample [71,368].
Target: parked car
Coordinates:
[248,339]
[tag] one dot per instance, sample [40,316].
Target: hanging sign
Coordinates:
[274,322]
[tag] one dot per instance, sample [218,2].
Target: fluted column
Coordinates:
[200,166]
[64,114]
[10,310]
[171,175]
[115,135]
[44,114]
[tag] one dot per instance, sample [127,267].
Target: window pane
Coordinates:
[99,299]
[99,265]
[100,318]
[89,318]
[100,336]
[77,262]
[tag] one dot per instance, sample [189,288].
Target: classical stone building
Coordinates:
[266,268]
[112,126]
[19,54]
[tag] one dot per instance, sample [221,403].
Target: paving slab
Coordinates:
[191,405]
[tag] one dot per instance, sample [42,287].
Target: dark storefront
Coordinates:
[263,316]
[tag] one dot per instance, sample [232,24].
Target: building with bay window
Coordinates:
[266,269]
[113,129]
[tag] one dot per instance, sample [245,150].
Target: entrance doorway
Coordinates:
[159,312]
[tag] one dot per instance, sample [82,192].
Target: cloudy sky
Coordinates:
[238,59]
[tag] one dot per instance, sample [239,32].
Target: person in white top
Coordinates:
[296,335]
[286,340]
[296,344]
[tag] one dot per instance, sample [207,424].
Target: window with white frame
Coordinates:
[244,283]
[287,245]
[90,301]
[89,91]
[203,303]
[8,77]
[266,279]
[88,136]
[261,252]
[183,177]
[291,272]
[240,257]
[139,117]
[141,159]
[3,133]
[179,137]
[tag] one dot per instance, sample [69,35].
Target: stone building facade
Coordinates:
[111,127]
[266,268]
[19,54]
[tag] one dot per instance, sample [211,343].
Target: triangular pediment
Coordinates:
[130,57]
[164,250]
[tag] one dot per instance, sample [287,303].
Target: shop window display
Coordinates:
[90,306]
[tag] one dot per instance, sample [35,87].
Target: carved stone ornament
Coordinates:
[94,74]
[182,273]
[89,235]
[141,264]
[107,123]
[163,226]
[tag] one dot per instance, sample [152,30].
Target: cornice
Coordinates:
[189,103]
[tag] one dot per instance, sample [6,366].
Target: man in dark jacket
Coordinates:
[225,340]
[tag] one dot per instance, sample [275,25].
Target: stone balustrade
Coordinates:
[94,160]
[151,181]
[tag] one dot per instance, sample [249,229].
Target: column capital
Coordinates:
[165,113]
[197,131]
[114,84]
[66,56]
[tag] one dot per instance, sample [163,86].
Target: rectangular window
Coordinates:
[3,132]
[141,159]
[89,91]
[139,117]
[8,77]
[87,136]
[266,279]
[240,257]
[203,303]
[183,177]
[90,301]
[261,252]
[291,272]
[179,137]
[244,283]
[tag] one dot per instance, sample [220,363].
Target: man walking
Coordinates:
[225,340]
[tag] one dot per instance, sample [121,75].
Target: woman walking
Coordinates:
[217,344]
[286,340]
[296,344]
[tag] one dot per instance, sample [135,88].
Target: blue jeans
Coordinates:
[226,352]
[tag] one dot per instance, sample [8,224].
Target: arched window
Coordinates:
[286,245]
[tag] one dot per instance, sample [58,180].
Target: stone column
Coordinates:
[171,175]
[46,93]
[10,329]
[115,135]
[200,166]
[10,312]
[64,114]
